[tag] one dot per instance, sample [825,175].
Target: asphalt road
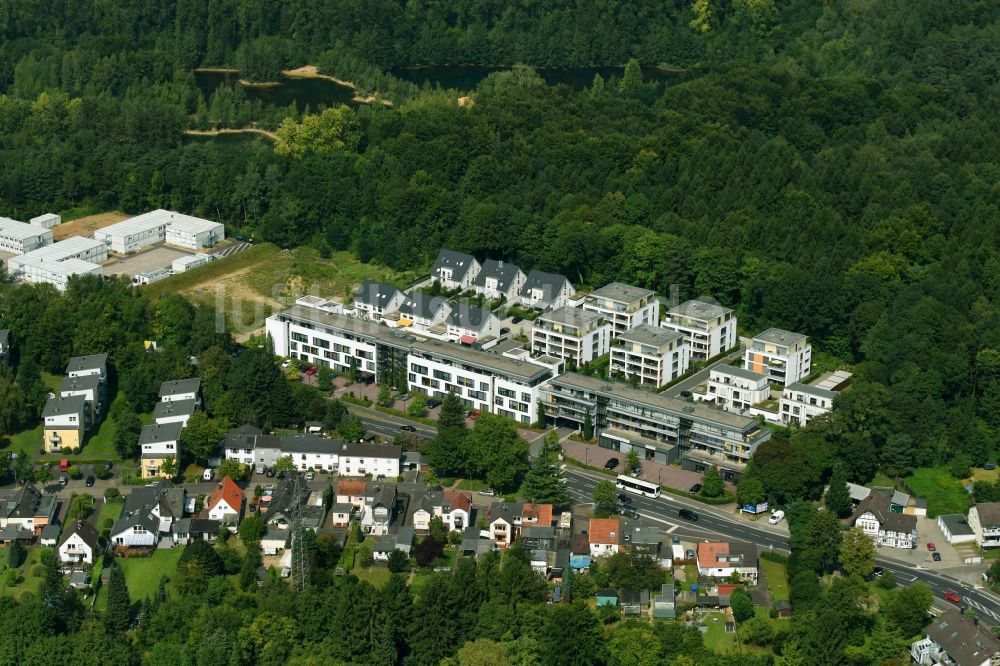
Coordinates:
[388,425]
[712,523]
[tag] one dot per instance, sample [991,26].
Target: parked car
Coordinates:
[487,492]
[612,464]
[208,474]
[688,514]
[695,489]
[310,476]
[504,331]
[90,481]
[931,547]
[636,472]
[689,554]
[405,396]
[629,512]
[516,320]
[936,557]
[624,499]
[63,480]
[474,415]
[269,473]
[952,597]
[776,517]
[286,363]
[878,571]
[407,428]
[685,394]
[312,371]
[432,403]
[675,540]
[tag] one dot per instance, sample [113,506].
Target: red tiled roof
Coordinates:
[227,490]
[605,531]
[351,488]
[540,513]
[709,551]
[458,500]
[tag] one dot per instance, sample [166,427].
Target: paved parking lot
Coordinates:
[158,257]
[666,475]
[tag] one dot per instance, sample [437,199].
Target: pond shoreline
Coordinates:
[271,136]
[312,72]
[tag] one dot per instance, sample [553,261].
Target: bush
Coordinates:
[12,577]
[757,631]
[66,450]
[111,493]
[108,524]
[74,472]
[365,557]
[38,571]
[47,557]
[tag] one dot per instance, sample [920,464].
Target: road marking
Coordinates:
[671,530]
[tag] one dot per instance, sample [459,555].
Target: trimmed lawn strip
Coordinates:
[142,574]
[777,579]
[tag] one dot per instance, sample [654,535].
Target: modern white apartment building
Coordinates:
[19,238]
[657,427]
[373,300]
[481,380]
[736,389]
[710,328]
[800,403]
[154,227]
[574,335]
[783,356]
[652,355]
[624,306]
[455,270]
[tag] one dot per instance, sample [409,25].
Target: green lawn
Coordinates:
[717,638]
[944,494]
[30,583]
[27,441]
[142,574]
[52,381]
[777,579]
[109,510]
[690,573]
[471,484]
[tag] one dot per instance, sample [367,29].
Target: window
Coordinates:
[419,369]
[441,374]
[299,337]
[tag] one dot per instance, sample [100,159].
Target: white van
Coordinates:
[209,473]
[776,517]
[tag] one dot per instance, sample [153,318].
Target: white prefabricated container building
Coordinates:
[149,277]
[190,261]
[74,247]
[47,220]
[18,237]
[194,233]
[58,273]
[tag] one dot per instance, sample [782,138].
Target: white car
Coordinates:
[776,517]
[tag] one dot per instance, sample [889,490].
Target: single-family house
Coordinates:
[340,514]
[27,508]
[546,291]
[468,323]
[453,507]
[499,279]
[455,270]
[721,559]
[373,300]
[955,639]
[180,389]
[352,491]
[138,528]
[643,540]
[664,603]
[984,519]
[380,509]
[174,411]
[604,536]
[423,311]
[187,530]
[474,543]
[79,543]
[274,540]
[225,504]
[94,364]
[290,497]
[65,422]
[535,514]
[401,540]
[503,520]
[164,501]
[159,442]
[886,527]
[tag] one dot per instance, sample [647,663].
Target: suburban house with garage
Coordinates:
[373,300]
[605,536]
[136,528]
[455,270]
[499,279]
[886,527]
[79,543]
[453,507]
[225,504]
[984,519]
[722,559]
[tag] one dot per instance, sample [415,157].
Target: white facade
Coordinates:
[298,333]
[137,535]
[783,356]
[381,461]
[471,322]
[20,238]
[499,279]
[710,328]
[800,404]
[653,356]
[153,227]
[46,220]
[59,274]
[74,550]
[64,416]
[984,519]
[55,264]
[373,300]
[223,512]
[574,335]
[455,270]
[182,264]
[546,291]
[180,389]
[736,389]
[194,233]
[624,306]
